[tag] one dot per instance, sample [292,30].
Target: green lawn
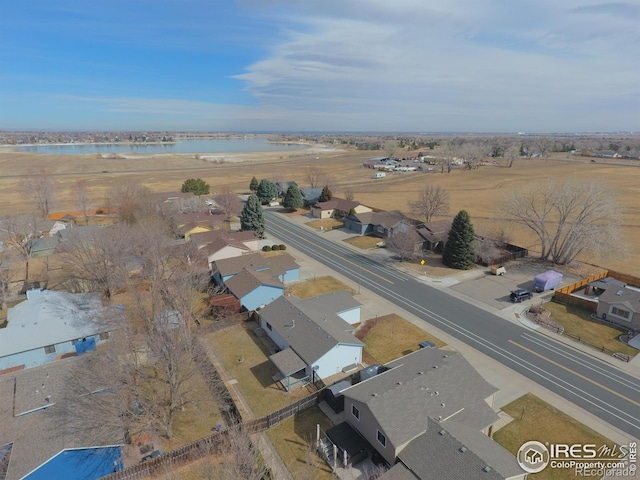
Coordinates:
[317,286]
[245,361]
[392,337]
[578,321]
[294,440]
[538,420]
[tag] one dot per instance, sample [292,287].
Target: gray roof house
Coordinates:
[620,305]
[395,408]
[375,223]
[314,339]
[283,266]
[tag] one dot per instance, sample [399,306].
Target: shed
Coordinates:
[548,280]
[334,397]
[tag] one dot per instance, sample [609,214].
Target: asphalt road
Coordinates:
[597,387]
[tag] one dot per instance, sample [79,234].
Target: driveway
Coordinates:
[494,290]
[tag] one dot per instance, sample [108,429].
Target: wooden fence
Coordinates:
[211,444]
[563,295]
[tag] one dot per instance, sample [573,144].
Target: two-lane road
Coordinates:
[594,385]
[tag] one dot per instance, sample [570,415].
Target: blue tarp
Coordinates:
[85,345]
[80,464]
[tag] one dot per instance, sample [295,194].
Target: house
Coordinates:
[430,385]
[255,289]
[310,195]
[44,246]
[373,223]
[187,224]
[220,244]
[254,279]
[315,336]
[40,438]
[282,266]
[620,305]
[434,234]
[50,325]
[282,187]
[337,208]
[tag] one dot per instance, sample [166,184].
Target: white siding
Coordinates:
[337,358]
[351,316]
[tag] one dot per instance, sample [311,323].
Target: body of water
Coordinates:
[205,145]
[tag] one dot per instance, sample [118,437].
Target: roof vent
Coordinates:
[398,383]
[619,292]
[486,469]
[441,432]
[463,449]
[435,366]
[442,405]
[374,394]
[421,373]
[437,392]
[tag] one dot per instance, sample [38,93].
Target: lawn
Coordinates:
[294,440]
[326,224]
[363,242]
[247,362]
[317,286]
[391,337]
[537,420]
[578,321]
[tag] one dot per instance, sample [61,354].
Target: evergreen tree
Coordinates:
[253,186]
[251,217]
[195,185]
[266,191]
[326,194]
[293,199]
[458,251]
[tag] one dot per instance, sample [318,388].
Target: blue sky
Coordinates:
[330,65]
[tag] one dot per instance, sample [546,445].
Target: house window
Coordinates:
[269,326]
[618,312]
[355,412]
[382,439]
[50,349]
[104,336]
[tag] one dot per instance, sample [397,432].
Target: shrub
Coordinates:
[266,248]
[283,247]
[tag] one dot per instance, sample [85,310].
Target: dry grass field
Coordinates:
[479,191]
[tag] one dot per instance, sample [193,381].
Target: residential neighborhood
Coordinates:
[264,336]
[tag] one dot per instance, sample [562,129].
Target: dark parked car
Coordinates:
[519,295]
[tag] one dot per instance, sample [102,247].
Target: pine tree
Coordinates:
[195,185]
[266,191]
[253,186]
[458,251]
[251,217]
[326,194]
[293,199]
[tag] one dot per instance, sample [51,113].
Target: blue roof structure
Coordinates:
[80,464]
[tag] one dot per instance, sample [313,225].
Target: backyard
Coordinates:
[577,321]
[245,359]
[294,440]
[389,337]
[534,419]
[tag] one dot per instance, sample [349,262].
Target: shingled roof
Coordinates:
[248,280]
[277,264]
[427,383]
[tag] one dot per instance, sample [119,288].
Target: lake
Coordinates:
[205,145]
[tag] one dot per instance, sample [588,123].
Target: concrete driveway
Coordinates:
[494,291]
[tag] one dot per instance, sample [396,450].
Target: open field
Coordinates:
[479,191]
[534,419]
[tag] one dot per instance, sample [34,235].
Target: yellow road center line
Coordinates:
[342,259]
[610,390]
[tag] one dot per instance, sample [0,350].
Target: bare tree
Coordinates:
[390,147]
[97,261]
[229,202]
[132,201]
[568,217]
[22,234]
[349,194]
[330,181]
[7,274]
[432,200]
[511,153]
[402,240]
[543,144]
[41,186]
[313,176]
[80,190]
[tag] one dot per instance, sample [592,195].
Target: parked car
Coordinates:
[520,294]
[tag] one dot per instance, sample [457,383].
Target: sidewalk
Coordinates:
[511,384]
